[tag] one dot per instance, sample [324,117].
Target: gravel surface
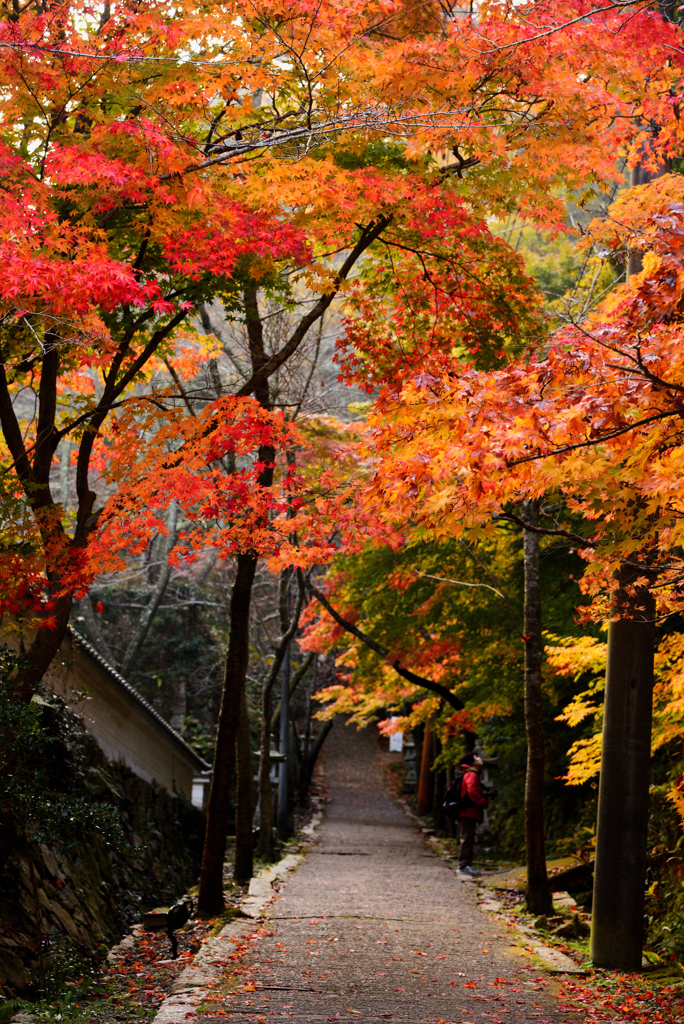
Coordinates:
[373,927]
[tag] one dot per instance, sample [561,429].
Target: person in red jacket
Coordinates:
[470,813]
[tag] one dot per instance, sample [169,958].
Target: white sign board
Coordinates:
[396,740]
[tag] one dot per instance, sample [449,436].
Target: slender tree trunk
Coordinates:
[295,680]
[64,465]
[617,922]
[306,768]
[538,891]
[180,707]
[244,813]
[265,845]
[210,899]
[438,815]
[283,780]
[304,776]
[425,781]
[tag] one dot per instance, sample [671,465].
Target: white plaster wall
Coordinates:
[125,730]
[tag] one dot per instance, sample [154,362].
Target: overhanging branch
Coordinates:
[405,673]
[581,542]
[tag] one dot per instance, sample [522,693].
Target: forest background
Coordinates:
[302,306]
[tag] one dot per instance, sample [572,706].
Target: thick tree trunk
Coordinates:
[425,780]
[244,813]
[617,922]
[210,899]
[43,648]
[538,891]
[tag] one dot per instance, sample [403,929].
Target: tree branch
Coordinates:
[152,608]
[411,677]
[284,640]
[12,432]
[582,542]
[294,683]
[592,442]
[368,235]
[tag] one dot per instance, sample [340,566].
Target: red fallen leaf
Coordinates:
[398,990]
[485,950]
[470,984]
[416,953]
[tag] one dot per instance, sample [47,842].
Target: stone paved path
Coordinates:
[372,927]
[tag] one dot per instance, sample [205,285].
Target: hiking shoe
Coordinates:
[469,871]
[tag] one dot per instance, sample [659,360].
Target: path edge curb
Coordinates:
[552,960]
[209,964]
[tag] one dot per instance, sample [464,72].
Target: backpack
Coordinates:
[455,800]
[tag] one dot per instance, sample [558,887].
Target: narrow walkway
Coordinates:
[373,927]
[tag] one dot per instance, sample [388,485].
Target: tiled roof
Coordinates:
[132,692]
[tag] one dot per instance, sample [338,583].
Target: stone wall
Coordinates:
[89,892]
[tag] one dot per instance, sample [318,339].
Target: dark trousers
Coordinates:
[466,831]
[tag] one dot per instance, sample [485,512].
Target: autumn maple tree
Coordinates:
[159,157]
